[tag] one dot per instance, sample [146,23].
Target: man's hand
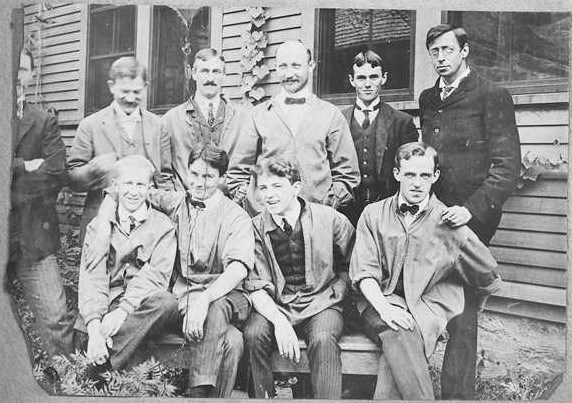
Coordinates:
[286,339]
[395,316]
[455,216]
[195,317]
[239,194]
[112,322]
[33,165]
[97,344]
[102,163]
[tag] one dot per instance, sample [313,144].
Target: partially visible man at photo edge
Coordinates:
[471,123]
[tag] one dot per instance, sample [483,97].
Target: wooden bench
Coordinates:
[360,355]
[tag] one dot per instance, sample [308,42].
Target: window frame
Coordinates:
[388,95]
[542,86]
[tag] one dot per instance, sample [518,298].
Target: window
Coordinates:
[527,52]
[174,46]
[111,35]
[345,32]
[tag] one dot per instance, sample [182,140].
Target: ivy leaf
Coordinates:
[257,93]
[260,71]
[259,21]
[248,82]
[255,12]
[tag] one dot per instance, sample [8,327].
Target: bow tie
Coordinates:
[294,101]
[197,204]
[413,209]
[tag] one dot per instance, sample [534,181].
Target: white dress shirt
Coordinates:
[138,215]
[373,109]
[294,113]
[203,104]
[454,84]
[127,122]
[408,218]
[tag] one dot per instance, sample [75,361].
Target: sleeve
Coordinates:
[155,273]
[53,148]
[260,277]
[366,256]
[239,242]
[80,174]
[93,287]
[410,133]
[344,240]
[245,153]
[477,267]
[504,154]
[343,162]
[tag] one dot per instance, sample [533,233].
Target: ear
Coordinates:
[384,78]
[297,188]
[351,78]
[110,84]
[396,174]
[311,65]
[465,51]
[436,176]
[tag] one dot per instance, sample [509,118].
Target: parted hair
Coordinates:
[438,30]
[278,166]
[207,54]
[211,154]
[367,56]
[418,149]
[129,67]
[137,162]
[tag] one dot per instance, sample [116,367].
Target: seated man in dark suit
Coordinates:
[409,268]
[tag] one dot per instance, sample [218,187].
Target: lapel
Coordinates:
[229,112]
[385,118]
[24,126]
[149,133]
[111,129]
[275,272]
[348,114]
[307,226]
[274,107]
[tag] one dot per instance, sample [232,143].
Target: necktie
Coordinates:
[446,91]
[294,101]
[365,124]
[413,209]
[211,118]
[132,223]
[197,204]
[287,227]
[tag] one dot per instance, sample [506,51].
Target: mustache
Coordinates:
[212,83]
[290,80]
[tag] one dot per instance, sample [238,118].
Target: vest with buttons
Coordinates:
[289,253]
[364,141]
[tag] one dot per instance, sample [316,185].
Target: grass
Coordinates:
[54,376]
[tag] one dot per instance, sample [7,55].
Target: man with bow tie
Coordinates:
[297,125]
[123,128]
[377,130]
[215,253]
[206,116]
[409,268]
[38,171]
[471,123]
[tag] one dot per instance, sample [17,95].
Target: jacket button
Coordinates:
[437,130]
[439,110]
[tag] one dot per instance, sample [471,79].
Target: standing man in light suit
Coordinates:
[206,117]
[298,125]
[123,128]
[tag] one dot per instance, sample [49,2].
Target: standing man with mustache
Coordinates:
[123,128]
[297,125]
[470,122]
[206,117]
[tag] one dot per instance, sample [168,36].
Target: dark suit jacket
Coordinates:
[398,128]
[474,132]
[33,218]
[100,134]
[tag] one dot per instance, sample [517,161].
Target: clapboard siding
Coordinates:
[59,60]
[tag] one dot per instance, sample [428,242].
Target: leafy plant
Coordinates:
[254,41]
[534,165]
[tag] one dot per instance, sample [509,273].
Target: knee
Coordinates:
[162,301]
[233,342]
[322,340]
[256,332]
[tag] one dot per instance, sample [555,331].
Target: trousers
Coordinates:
[321,332]
[42,285]
[404,371]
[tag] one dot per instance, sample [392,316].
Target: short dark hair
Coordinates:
[418,149]
[127,66]
[208,54]
[438,30]
[367,56]
[278,166]
[211,154]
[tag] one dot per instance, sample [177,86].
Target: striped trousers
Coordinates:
[321,332]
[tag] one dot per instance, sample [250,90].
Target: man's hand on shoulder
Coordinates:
[395,316]
[455,216]
[286,338]
[33,165]
[103,163]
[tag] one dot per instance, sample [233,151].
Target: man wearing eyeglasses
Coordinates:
[377,130]
[471,123]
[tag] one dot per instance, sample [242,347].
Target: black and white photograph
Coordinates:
[336,200]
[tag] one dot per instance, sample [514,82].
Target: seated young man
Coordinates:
[216,251]
[299,280]
[123,297]
[410,268]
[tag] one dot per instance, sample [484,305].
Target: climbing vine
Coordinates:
[254,41]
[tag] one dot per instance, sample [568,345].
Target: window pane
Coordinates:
[97,91]
[101,33]
[541,45]
[517,47]
[169,38]
[345,32]
[125,29]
